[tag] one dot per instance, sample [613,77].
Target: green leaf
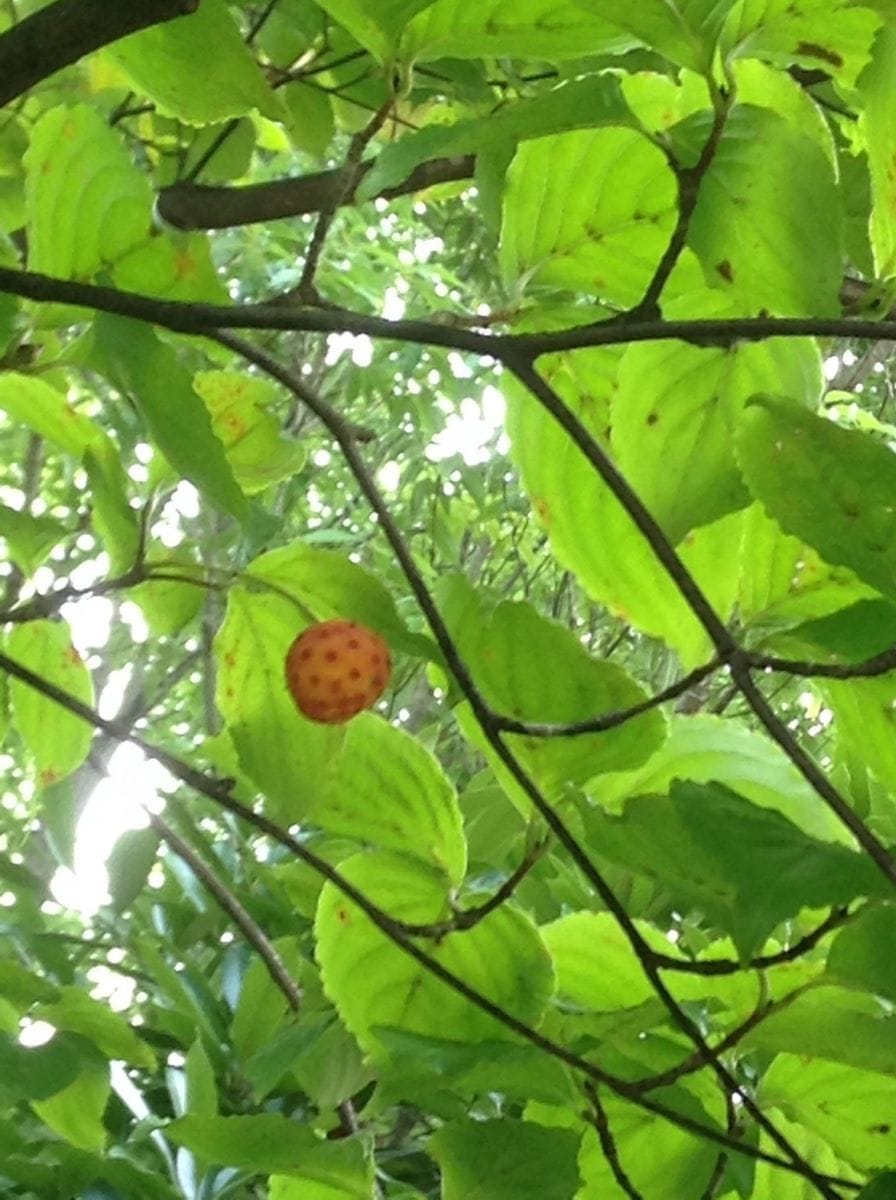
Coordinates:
[283,753]
[374,983]
[864,715]
[855,956]
[328,584]
[879,126]
[384,788]
[113,518]
[375,24]
[661,1160]
[29,539]
[56,738]
[833,1024]
[618,568]
[128,865]
[262,1008]
[519,1070]
[882,1187]
[145,367]
[783,582]
[848,1108]
[39,1072]
[255,449]
[341,1171]
[769,1180]
[311,120]
[675,413]
[767,224]
[506,1160]
[598,971]
[831,487]
[176,266]
[590,210]
[76,1112]
[747,868]
[531,668]
[529,29]
[202,1090]
[269,1142]
[577,104]
[167,603]
[77,1011]
[833,36]
[704,748]
[686,31]
[162,62]
[88,203]
[46,412]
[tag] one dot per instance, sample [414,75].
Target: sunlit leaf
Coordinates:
[56,738]
[374,983]
[162,63]
[590,210]
[88,203]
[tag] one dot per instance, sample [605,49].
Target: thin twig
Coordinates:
[251,930]
[306,292]
[599,1119]
[607,720]
[728,966]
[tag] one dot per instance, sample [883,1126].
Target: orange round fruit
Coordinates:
[336,669]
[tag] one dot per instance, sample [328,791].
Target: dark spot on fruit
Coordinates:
[314,680]
[378,681]
[353,643]
[331,656]
[306,654]
[336,686]
[354,673]
[375,660]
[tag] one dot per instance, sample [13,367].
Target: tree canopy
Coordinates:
[549,343]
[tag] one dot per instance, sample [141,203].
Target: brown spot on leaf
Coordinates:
[725,270]
[652,418]
[542,510]
[814,50]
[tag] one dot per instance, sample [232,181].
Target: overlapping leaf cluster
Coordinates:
[600,902]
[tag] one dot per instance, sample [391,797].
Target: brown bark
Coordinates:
[194,206]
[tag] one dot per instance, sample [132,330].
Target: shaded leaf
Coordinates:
[269,1142]
[831,487]
[506,1160]
[747,868]
[176,419]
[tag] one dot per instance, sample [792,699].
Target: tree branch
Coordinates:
[517,350]
[58,35]
[195,206]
